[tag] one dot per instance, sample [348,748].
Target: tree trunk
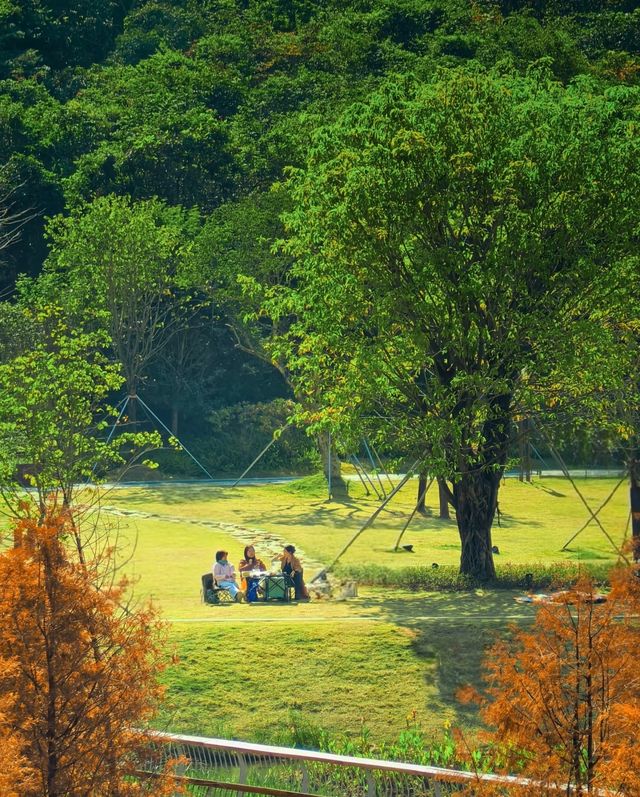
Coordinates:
[524,449]
[634,500]
[475,490]
[175,419]
[443,500]
[132,411]
[475,499]
[422,495]
[331,466]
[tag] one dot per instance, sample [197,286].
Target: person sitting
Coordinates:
[224,575]
[291,565]
[249,565]
[251,561]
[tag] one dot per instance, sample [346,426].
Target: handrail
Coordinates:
[250,754]
[239,787]
[368,764]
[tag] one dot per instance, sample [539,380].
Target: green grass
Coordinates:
[246,670]
[536,521]
[389,656]
[246,681]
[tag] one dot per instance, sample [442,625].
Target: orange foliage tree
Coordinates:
[563,699]
[16,776]
[78,670]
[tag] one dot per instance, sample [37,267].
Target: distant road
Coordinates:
[576,473]
[248,482]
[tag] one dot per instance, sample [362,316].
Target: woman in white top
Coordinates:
[224,576]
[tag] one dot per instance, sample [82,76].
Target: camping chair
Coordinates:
[212,594]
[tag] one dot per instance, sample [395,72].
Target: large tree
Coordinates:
[460,247]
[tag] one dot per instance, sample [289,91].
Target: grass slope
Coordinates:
[247,671]
[535,521]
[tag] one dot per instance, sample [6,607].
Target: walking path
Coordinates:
[270,543]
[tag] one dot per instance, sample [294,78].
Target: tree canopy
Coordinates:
[458,246]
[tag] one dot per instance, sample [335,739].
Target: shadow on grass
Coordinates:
[452,631]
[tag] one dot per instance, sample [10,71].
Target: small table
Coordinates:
[273,585]
[276,586]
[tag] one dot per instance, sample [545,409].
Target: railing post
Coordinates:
[437,789]
[304,784]
[242,774]
[371,783]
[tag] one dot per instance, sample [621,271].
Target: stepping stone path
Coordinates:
[269,544]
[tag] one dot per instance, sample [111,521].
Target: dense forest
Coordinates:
[144,146]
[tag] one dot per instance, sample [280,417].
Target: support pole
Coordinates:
[371,519]
[274,439]
[374,467]
[124,403]
[166,428]
[354,462]
[368,478]
[537,453]
[382,468]
[421,498]
[565,470]
[597,512]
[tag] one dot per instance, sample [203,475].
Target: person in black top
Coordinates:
[291,565]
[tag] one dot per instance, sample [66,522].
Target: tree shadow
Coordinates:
[453,632]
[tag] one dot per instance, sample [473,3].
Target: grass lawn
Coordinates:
[535,522]
[247,671]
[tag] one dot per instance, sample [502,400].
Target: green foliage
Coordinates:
[205,105]
[123,266]
[445,578]
[54,409]
[54,34]
[161,132]
[449,270]
[240,432]
[308,487]
[413,745]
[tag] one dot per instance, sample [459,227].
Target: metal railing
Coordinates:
[223,768]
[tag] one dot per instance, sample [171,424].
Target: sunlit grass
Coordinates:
[246,670]
[535,521]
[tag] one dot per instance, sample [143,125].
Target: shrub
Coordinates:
[447,578]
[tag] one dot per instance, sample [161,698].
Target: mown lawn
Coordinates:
[249,671]
[535,521]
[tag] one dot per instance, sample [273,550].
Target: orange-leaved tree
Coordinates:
[563,699]
[16,775]
[80,672]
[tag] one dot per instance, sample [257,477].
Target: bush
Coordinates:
[240,432]
[447,578]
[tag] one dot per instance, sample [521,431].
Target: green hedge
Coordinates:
[447,578]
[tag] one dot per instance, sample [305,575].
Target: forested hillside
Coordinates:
[143,148]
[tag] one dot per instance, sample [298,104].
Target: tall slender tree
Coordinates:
[124,263]
[563,699]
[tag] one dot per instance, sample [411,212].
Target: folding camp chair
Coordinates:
[211,593]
